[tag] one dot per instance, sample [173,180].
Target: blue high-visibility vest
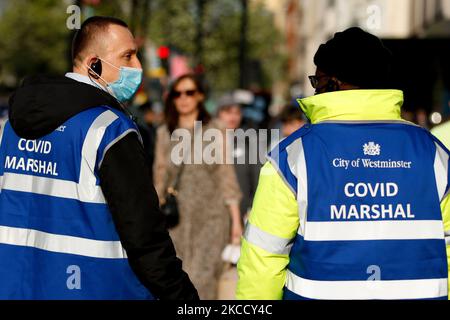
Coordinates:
[369,199]
[57,236]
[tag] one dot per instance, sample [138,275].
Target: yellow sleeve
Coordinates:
[272,225]
[446,217]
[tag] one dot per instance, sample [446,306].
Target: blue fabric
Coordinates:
[291,296]
[57,215]
[31,273]
[328,148]
[349,260]
[327,142]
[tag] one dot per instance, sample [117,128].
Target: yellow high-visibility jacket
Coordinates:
[443,133]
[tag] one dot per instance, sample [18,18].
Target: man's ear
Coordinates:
[333,85]
[341,85]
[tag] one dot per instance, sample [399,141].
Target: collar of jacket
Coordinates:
[353,105]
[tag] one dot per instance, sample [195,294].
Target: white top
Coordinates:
[84,79]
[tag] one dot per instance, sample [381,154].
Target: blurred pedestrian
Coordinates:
[147,129]
[287,123]
[79,216]
[208,196]
[3,113]
[422,118]
[229,112]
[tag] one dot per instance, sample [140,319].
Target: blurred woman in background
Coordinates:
[208,195]
[230,113]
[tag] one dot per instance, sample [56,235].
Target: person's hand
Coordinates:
[236,232]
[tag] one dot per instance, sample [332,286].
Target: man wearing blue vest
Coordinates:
[356,205]
[79,217]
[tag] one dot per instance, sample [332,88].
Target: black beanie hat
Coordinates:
[356,57]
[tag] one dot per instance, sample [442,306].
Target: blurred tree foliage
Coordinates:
[34,37]
[173,22]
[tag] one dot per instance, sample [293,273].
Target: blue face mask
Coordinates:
[127,85]
[124,88]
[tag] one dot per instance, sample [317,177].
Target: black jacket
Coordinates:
[39,107]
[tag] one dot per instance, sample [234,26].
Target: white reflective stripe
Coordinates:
[61,243]
[266,241]
[89,190]
[441,171]
[297,163]
[277,168]
[113,143]
[367,290]
[86,190]
[46,186]
[374,230]
[91,144]
[371,122]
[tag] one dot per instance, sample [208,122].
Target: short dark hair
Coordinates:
[89,29]
[146,107]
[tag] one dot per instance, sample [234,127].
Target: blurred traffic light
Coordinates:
[163,52]
[164,55]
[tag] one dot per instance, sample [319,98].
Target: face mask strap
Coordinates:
[109,63]
[109,86]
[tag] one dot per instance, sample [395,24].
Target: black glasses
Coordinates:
[188,93]
[315,80]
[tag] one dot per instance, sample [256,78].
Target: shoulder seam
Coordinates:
[112,143]
[277,169]
[299,134]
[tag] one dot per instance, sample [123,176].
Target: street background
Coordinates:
[263,46]
[253,57]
